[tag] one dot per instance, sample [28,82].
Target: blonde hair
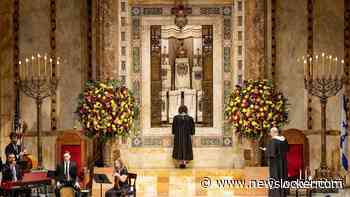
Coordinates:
[120,162]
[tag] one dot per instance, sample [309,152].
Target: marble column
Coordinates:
[254,49]
[106,24]
[254,22]
[7,94]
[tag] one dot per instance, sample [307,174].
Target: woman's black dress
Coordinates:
[183,128]
[123,186]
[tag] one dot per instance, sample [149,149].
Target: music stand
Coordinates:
[22,164]
[51,174]
[101,179]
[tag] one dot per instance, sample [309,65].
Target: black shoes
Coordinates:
[182,166]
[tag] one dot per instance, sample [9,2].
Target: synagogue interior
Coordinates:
[174,98]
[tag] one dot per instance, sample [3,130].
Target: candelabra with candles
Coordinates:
[323,78]
[38,80]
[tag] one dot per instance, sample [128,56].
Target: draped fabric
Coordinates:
[344,132]
[183,128]
[207,82]
[295,160]
[156,80]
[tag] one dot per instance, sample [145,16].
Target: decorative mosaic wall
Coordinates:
[53,54]
[273,39]
[310,50]
[238,42]
[232,33]
[229,31]
[89,40]
[124,39]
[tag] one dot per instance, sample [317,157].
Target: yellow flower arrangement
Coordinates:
[256,107]
[106,109]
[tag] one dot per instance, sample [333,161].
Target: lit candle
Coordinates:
[39,64]
[337,68]
[312,69]
[58,62]
[21,75]
[33,67]
[306,69]
[27,69]
[317,66]
[330,67]
[45,58]
[50,67]
[342,68]
[323,65]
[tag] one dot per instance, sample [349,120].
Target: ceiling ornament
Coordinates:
[180,12]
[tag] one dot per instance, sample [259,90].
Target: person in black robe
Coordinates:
[120,174]
[277,151]
[13,147]
[183,128]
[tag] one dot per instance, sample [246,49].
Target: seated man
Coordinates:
[67,175]
[11,172]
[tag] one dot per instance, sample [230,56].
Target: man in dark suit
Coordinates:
[13,147]
[67,175]
[12,172]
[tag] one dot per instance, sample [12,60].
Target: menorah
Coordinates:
[38,80]
[323,79]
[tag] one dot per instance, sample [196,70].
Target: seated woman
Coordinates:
[120,174]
